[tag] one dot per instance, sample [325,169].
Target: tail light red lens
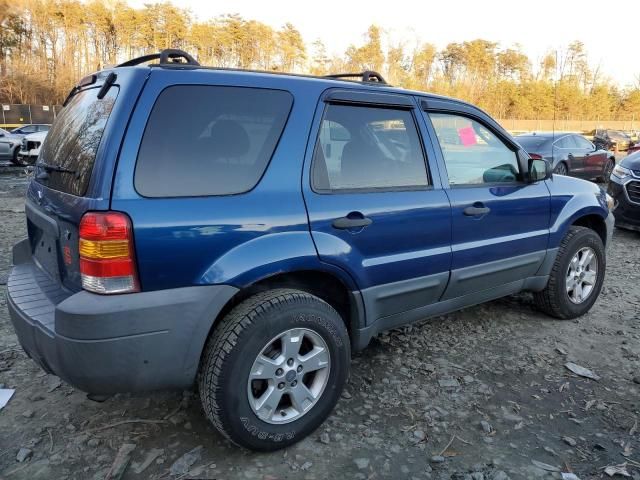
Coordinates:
[535,156]
[107,263]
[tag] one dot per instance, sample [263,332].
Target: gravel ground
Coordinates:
[479,394]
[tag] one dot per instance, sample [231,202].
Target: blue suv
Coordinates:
[246,231]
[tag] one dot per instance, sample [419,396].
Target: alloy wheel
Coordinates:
[582,275]
[288,376]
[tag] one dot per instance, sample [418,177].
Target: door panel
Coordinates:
[593,161]
[505,245]
[500,225]
[368,168]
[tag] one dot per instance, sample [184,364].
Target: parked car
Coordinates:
[634,148]
[30,148]
[31,128]
[9,145]
[296,218]
[624,187]
[611,140]
[570,154]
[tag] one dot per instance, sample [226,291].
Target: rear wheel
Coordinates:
[561,169]
[274,369]
[608,168]
[576,277]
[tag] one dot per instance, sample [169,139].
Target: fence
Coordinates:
[565,125]
[14,115]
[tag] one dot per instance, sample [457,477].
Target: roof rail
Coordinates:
[366,76]
[168,56]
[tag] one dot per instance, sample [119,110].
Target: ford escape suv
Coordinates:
[246,231]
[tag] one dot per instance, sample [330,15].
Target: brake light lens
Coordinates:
[107,263]
[535,156]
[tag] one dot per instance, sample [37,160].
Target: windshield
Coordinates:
[73,140]
[617,134]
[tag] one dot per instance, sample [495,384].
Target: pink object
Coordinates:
[467,136]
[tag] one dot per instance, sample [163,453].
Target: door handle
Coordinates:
[476,211]
[353,220]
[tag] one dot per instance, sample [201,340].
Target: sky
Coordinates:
[606,28]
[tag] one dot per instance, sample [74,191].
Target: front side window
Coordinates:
[368,148]
[205,140]
[472,153]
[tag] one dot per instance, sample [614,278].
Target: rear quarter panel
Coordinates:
[233,239]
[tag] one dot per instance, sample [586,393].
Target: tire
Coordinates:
[561,169]
[14,157]
[608,168]
[236,343]
[555,300]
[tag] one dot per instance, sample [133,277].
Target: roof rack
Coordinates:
[366,76]
[168,56]
[174,58]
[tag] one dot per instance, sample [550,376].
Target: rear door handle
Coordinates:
[476,211]
[353,220]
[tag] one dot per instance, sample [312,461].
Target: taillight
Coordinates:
[535,156]
[107,262]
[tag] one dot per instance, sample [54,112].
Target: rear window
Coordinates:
[73,140]
[530,144]
[206,140]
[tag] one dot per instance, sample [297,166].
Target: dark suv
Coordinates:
[247,231]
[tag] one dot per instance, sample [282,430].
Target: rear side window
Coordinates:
[368,148]
[72,142]
[208,140]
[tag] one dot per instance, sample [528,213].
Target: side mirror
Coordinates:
[539,170]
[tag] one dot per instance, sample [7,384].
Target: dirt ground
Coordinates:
[479,394]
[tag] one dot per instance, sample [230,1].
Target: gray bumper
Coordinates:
[109,344]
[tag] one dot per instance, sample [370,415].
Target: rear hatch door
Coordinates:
[74,171]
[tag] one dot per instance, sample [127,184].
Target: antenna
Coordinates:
[555,107]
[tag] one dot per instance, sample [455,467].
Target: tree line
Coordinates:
[47,45]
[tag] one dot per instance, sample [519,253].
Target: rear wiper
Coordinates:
[55,168]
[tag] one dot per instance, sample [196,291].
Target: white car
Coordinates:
[9,146]
[30,148]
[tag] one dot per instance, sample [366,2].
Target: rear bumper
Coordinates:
[109,344]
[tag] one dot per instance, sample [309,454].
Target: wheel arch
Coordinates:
[325,284]
[595,222]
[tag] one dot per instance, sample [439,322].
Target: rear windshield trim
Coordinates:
[267,164]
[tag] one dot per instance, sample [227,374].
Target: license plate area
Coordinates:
[45,250]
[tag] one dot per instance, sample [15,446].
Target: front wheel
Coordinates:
[576,277]
[14,157]
[274,369]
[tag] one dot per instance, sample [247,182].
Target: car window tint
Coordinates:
[29,129]
[73,142]
[368,148]
[565,142]
[209,140]
[472,153]
[582,142]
